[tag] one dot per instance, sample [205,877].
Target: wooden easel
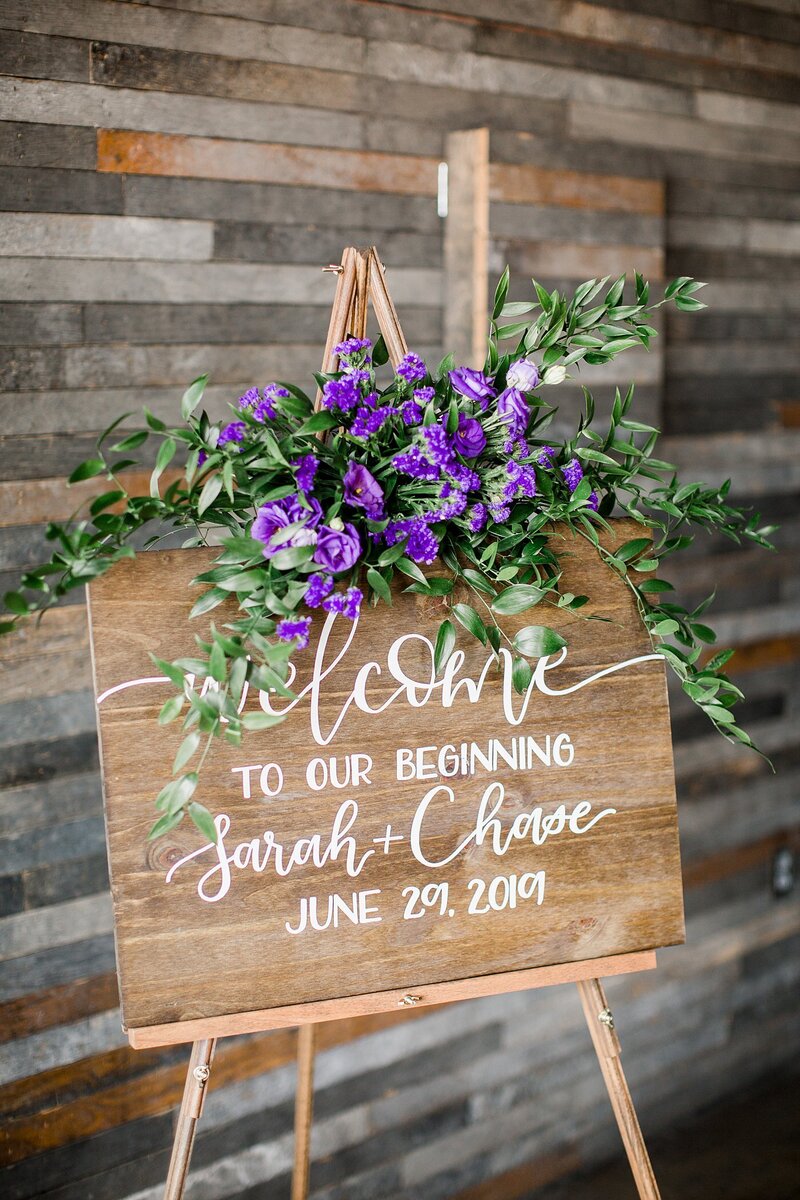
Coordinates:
[360,277]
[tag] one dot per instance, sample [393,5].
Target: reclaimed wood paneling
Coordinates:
[173,173]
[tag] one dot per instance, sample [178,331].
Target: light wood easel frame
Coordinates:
[360,278]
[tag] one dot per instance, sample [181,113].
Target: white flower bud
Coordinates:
[556,374]
[337,523]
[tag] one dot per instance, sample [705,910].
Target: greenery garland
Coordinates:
[449,466]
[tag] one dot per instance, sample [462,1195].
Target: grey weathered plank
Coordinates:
[49,968]
[23,143]
[252,241]
[55,925]
[577,225]
[54,191]
[80,236]
[33,56]
[68,880]
[40,324]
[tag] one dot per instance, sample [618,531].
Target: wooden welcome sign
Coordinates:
[402,837]
[398,830]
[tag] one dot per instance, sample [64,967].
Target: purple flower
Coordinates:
[234,432]
[478,517]
[500,512]
[344,394]
[263,409]
[593,502]
[319,586]
[469,439]
[352,345]
[347,603]
[573,474]
[280,514]
[472,384]
[522,374]
[306,468]
[521,481]
[424,395]
[422,546]
[362,490]
[546,456]
[414,463]
[201,457]
[411,412]
[411,368]
[288,631]
[250,399]
[337,549]
[465,479]
[439,445]
[369,420]
[512,408]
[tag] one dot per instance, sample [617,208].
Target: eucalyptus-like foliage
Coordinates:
[449,467]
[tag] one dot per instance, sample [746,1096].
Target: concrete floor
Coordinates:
[745,1149]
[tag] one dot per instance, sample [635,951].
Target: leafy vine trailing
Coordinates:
[448,465]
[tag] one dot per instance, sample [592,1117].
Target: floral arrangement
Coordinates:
[317,508]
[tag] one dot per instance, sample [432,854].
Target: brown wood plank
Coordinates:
[134,153]
[57,1006]
[528,184]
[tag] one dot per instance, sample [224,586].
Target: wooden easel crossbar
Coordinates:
[360,278]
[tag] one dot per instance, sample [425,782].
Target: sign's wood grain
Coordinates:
[437,863]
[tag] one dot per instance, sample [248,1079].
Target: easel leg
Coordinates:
[194,1094]
[303,1110]
[606,1043]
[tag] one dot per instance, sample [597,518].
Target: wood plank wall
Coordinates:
[172,176]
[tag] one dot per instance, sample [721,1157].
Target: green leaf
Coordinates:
[517,598]
[203,820]
[466,615]
[15,602]
[411,569]
[211,489]
[292,556]
[380,354]
[87,470]
[521,675]
[164,824]
[192,396]
[174,674]
[105,501]
[166,452]
[478,581]
[185,751]
[500,293]
[445,643]
[629,550]
[379,585]
[318,423]
[537,641]
[217,663]
[655,585]
[207,601]
[261,720]
[170,710]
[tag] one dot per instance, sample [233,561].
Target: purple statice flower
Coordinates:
[469,439]
[453,507]
[464,478]
[344,394]
[516,446]
[414,463]
[362,490]
[264,409]
[593,502]
[512,408]
[522,374]
[424,395]
[352,345]
[369,420]
[337,550]
[411,412]
[573,474]
[234,432]
[546,457]
[439,445]
[474,385]
[411,369]
[280,514]
[347,603]
[250,399]
[500,512]
[306,469]
[521,481]
[201,457]
[422,546]
[478,517]
[319,586]
[299,629]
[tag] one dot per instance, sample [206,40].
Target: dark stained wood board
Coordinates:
[611,890]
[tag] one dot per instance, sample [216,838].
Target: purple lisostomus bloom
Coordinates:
[522,374]
[411,368]
[337,549]
[422,545]
[411,412]
[347,603]
[469,439]
[362,490]
[512,407]
[306,468]
[352,345]
[478,517]
[546,456]
[288,631]
[472,384]
[573,474]
[319,586]
[280,514]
